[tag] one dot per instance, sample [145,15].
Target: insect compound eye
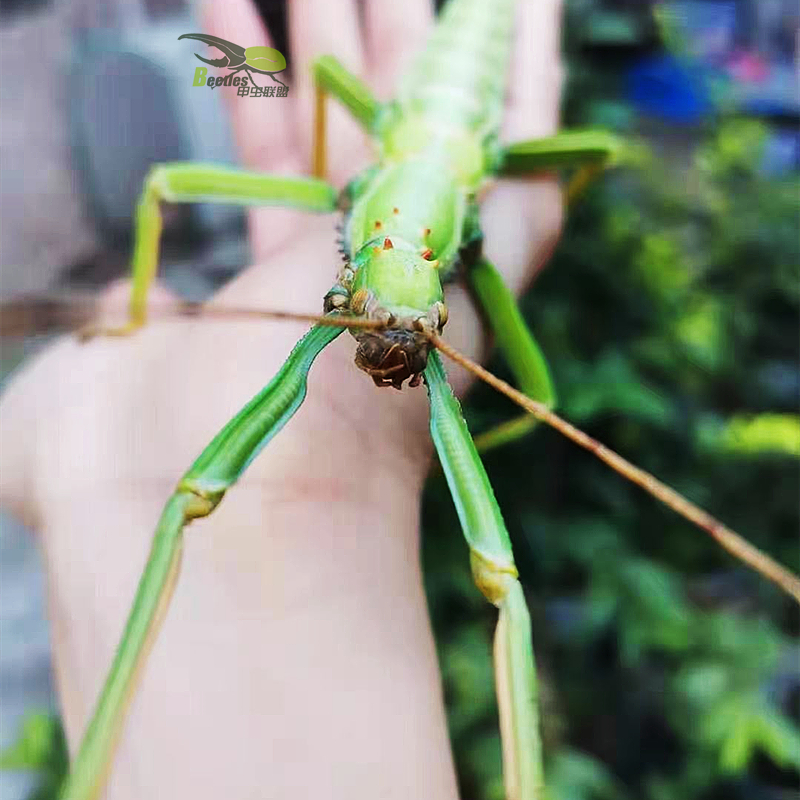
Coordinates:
[337,298]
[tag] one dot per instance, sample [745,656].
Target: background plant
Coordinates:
[669,313]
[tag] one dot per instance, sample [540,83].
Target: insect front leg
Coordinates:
[196,182]
[198,493]
[496,575]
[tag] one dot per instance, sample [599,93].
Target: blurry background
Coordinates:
[669,314]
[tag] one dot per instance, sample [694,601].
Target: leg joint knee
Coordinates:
[492,578]
[200,502]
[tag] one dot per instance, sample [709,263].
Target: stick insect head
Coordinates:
[393,355]
[393,283]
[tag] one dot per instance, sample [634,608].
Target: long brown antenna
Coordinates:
[334,320]
[730,540]
[44,315]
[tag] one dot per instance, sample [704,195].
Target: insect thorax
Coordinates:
[405,224]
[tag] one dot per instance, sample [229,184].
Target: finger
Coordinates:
[535,77]
[317,27]
[522,222]
[522,219]
[262,127]
[395,32]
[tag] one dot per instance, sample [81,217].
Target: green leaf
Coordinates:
[573,775]
[754,434]
[34,747]
[749,726]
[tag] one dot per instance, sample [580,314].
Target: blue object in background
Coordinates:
[751,45]
[664,87]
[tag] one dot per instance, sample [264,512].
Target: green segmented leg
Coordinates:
[518,345]
[496,576]
[566,149]
[332,77]
[189,182]
[590,151]
[197,495]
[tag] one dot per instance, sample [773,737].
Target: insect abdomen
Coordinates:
[459,80]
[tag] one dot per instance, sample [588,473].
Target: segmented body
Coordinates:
[411,215]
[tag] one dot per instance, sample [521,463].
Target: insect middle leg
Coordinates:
[517,344]
[591,152]
[198,182]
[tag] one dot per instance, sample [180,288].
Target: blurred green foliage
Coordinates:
[669,314]
[42,748]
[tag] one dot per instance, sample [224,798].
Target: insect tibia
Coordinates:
[493,579]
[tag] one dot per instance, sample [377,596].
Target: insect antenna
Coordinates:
[333,320]
[27,316]
[735,544]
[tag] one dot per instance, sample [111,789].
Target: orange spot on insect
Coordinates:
[378,224]
[426,232]
[395,210]
[427,253]
[376,251]
[387,244]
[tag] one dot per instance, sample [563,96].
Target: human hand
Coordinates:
[297,657]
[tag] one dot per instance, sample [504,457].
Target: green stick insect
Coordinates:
[401,245]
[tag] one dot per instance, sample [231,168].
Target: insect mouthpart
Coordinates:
[391,356]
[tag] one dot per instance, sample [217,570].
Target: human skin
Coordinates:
[296,659]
